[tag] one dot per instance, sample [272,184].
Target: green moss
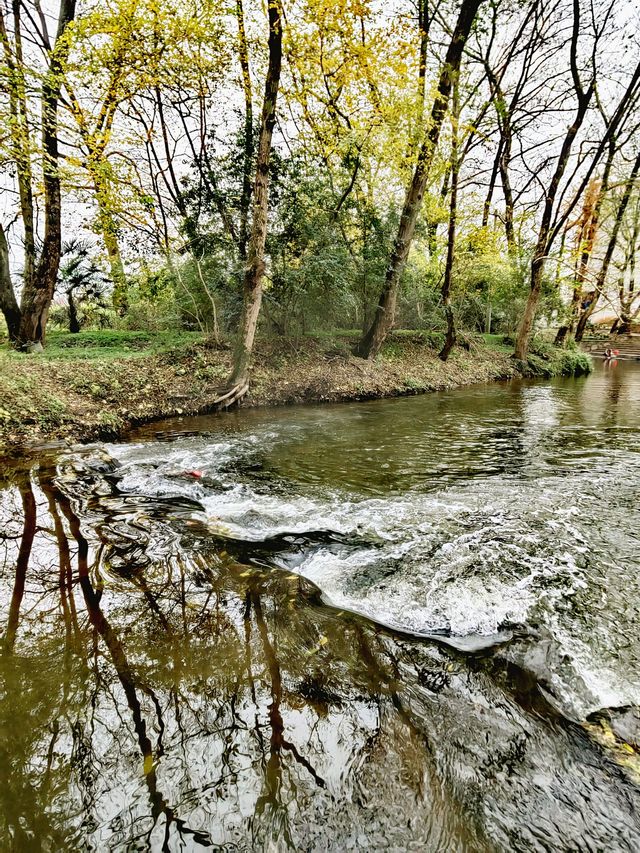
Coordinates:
[502,343]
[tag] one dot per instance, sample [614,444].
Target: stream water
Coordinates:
[410,624]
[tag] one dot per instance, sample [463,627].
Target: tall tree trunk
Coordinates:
[588,230]
[563,332]
[543,243]
[254,274]
[20,134]
[97,167]
[74,322]
[424,24]
[486,207]
[384,318]
[450,338]
[505,161]
[8,301]
[37,294]
[502,161]
[109,231]
[627,298]
[583,319]
[247,163]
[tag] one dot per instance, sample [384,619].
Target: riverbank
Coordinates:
[98,384]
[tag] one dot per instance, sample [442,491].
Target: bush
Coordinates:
[114,338]
[557,362]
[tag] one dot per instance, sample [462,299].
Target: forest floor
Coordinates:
[95,385]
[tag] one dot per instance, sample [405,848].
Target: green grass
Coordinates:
[497,342]
[110,344]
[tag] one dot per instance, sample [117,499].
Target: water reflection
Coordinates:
[163,688]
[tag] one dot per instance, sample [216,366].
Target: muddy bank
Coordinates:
[80,399]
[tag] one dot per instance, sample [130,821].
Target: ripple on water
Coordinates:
[466,559]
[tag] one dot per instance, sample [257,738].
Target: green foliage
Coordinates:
[575,363]
[546,361]
[114,343]
[108,339]
[83,284]
[152,305]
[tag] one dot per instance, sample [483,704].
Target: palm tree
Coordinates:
[80,279]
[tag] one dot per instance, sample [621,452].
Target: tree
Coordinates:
[80,279]
[40,263]
[450,338]
[255,268]
[156,64]
[553,218]
[585,240]
[611,246]
[627,293]
[372,341]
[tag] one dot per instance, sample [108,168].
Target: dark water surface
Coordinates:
[401,625]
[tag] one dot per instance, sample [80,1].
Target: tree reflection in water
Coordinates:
[159,694]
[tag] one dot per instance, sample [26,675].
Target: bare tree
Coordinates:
[450,338]
[554,213]
[611,247]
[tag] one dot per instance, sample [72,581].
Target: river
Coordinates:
[408,624]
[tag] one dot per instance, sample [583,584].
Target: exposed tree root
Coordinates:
[232,396]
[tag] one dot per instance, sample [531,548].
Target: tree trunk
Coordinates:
[8,301]
[20,134]
[424,24]
[371,343]
[583,319]
[37,294]
[547,233]
[486,208]
[245,198]
[505,161]
[254,274]
[563,331]
[542,246]
[109,231]
[586,240]
[627,297]
[450,338]
[543,243]
[611,246]
[74,322]
[526,325]
[625,325]
[108,228]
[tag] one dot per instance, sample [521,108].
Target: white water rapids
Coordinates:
[527,516]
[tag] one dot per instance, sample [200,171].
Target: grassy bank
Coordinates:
[97,384]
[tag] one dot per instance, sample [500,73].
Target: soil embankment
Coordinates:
[79,398]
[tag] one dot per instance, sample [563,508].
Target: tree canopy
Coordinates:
[423,163]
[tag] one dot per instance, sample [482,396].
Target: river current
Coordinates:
[410,624]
